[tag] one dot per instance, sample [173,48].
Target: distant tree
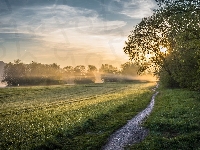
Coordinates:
[14,73]
[106,68]
[35,73]
[80,70]
[68,74]
[18,73]
[91,68]
[91,72]
[129,68]
[80,75]
[54,71]
[109,73]
[2,64]
[69,70]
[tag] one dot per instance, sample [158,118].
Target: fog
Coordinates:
[2,64]
[98,77]
[147,77]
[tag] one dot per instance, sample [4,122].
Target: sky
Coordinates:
[69,32]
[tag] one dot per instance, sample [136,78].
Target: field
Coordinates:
[68,116]
[174,123]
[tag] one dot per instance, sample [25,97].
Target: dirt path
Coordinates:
[132,132]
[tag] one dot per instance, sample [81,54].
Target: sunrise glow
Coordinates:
[163,49]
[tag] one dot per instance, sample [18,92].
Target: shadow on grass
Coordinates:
[94,132]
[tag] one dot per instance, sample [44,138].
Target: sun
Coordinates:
[148,56]
[163,49]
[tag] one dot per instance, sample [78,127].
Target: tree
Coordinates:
[91,72]
[184,37]
[18,73]
[69,70]
[109,73]
[91,68]
[14,73]
[80,70]
[81,75]
[106,68]
[129,68]
[167,43]
[145,43]
[2,64]
[68,74]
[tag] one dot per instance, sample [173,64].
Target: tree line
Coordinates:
[168,43]
[19,73]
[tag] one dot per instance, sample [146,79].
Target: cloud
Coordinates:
[84,20]
[138,9]
[69,32]
[51,19]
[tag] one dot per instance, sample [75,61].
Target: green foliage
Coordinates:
[174,26]
[67,117]
[167,80]
[174,122]
[144,42]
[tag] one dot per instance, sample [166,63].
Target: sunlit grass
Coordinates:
[36,117]
[174,122]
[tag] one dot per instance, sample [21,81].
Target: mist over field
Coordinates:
[2,64]
[34,73]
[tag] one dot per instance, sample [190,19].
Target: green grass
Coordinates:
[174,123]
[68,117]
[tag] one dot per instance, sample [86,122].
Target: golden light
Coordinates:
[148,56]
[163,49]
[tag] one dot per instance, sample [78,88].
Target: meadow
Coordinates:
[68,116]
[174,122]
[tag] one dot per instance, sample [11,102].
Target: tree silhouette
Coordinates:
[91,72]
[18,73]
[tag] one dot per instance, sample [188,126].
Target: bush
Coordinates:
[167,80]
[83,81]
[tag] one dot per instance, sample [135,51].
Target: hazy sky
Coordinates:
[69,32]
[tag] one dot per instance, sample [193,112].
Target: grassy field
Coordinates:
[68,117]
[174,123]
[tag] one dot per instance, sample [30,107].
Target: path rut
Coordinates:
[132,132]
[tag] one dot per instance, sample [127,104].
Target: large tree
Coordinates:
[168,42]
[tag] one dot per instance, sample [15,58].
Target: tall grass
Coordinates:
[67,117]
